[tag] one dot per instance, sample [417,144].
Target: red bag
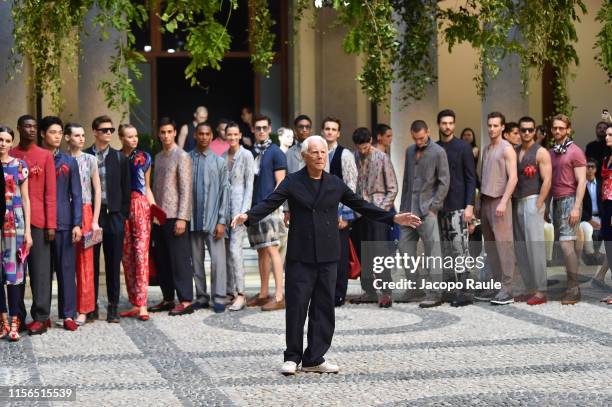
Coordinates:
[354,263]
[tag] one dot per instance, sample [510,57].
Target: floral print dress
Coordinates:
[13,232]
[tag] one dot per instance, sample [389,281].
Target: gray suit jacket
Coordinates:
[430,179]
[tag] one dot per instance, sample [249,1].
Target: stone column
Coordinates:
[16,92]
[93,67]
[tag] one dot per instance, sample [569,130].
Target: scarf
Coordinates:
[260,149]
[562,148]
[425,146]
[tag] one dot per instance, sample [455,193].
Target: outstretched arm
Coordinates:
[265,207]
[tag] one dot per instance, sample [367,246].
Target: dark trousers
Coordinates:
[365,230]
[15,298]
[309,290]
[173,262]
[39,268]
[64,263]
[112,225]
[343,265]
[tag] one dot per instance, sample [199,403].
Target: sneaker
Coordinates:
[430,303]
[571,296]
[324,367]
[385,301]
[502,298]
[485,295]
[289,368]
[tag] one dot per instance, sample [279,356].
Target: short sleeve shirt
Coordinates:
[88,165]
[563,180]
[140,162]
[272,160]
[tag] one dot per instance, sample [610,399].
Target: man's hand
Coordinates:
[596,225]
[76,234]
[28,240]
[574,217]
[501,209]
[468,214]
[471,228]
[287,215]
[49,235]
[342,224]
[407,219]
[239,220]
[179,227]
[219,232]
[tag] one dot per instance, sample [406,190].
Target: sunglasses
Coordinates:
[106,130]
[527,130]
[559,128]
[261,128]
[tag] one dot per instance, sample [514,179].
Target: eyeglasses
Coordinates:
[303,126]
[261,129]
[527,130]
[559,128]
[106,130]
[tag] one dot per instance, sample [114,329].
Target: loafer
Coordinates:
[218,308]
[324,367]
[535,300]
[47,324]
[258,301]
[112,316]
[365,298]
[430,303]
[274,305]
[289,368]
[38,328]
[461,302]
[181,310]
[522,298]
[162,306]
[385,301]
[70,325]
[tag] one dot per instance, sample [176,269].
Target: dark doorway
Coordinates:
[223,92]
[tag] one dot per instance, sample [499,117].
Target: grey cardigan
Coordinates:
[429,179]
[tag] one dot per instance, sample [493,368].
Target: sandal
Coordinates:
[129,314]
[239,303]
[13,335]
[5,327]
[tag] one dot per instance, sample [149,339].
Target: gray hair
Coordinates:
[306,143]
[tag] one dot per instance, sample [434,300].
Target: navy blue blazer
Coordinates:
[68,192]
[313,229]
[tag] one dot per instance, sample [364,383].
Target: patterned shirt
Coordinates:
[172,183]
[88,166]
[376,182]
[13,231]
[140,162]
[101,156]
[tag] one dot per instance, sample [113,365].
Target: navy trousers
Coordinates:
[64,262]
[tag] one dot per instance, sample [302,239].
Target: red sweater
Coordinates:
[41,185]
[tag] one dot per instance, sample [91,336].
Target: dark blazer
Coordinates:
[313,229]
[587,204]
[69,194]
[118,187]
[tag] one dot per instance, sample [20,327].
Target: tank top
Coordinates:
[529,177]
[494,175]
[190,139]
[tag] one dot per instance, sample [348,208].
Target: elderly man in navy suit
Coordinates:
[313,251]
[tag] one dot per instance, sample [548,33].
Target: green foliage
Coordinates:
[121,15]
[260,37]
[604,38]
[47,34]
[538,31]
[415,59]
[372,34]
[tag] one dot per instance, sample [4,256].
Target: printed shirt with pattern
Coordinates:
[140,162]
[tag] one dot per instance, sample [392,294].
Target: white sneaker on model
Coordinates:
[324,367]
[289,368]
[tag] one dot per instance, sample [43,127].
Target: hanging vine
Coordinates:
[260,36]
[46,34]
[604,39]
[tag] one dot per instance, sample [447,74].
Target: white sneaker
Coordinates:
[324,367]
[289,368]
